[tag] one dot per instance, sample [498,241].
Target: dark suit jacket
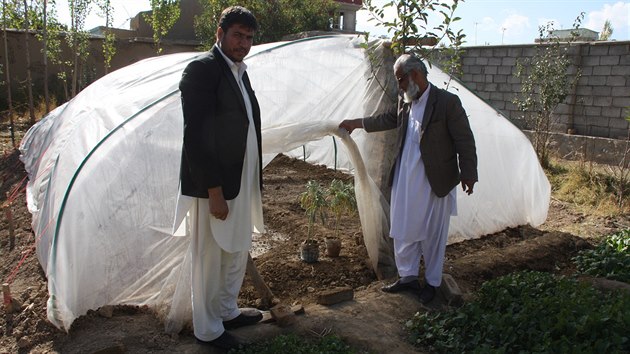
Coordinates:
[447,143]
[215,127]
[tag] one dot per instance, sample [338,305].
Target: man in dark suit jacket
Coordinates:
[221,168]
[436,152]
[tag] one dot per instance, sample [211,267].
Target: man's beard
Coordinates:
[411,92]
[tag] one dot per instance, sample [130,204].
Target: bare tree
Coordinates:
[7,71]
[29,80]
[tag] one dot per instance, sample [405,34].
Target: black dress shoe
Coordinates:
[427,294]
[398,286]
[225,341]
[246,318]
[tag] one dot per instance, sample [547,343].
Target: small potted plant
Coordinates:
[314,202]
[341,200]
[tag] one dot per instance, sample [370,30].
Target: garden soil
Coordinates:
[372,321]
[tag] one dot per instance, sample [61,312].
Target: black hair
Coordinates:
[237,15]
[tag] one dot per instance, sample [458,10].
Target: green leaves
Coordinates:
[276,18]
[164,14]
[610,259]
[529,312]
[545,83]
[317,201]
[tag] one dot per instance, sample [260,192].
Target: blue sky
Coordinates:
[484,21]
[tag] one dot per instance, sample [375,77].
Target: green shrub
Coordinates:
[529,312]
[298,345]
[610,259]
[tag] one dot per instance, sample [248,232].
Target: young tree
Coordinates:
[78,39]
[29,80]
[164,14]
[109,45]
[545,83]
[607,31]
[276,18]
[7,71]
[411,26]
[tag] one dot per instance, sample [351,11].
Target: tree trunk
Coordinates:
[29,81]
[8,72]
[46,93]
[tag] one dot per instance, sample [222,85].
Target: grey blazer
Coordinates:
[447,143]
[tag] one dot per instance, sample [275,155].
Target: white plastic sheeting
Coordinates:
[104,170]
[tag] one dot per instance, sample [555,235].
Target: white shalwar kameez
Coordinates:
[419,218]
[220,247]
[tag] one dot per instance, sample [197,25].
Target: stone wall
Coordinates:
[128,51]
[597,106]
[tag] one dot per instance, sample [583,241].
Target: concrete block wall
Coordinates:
[596,107]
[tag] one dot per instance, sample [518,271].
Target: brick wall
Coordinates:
[596,107]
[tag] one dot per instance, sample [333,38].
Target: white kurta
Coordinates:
[219,247]
[416,211]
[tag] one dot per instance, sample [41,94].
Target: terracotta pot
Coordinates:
[309,251]
[333,246]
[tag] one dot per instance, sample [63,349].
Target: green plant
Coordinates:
[610,259]
[529,312]
[341,200]
[545,83]
[314,202]
[294,344]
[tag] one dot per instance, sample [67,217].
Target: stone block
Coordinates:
[475,69]
[621,91]
[592,111]
[499,52]
[528,52]
[584,90]
[612,112]
[484,95]
[619,49]
[562,108]
[585,100]
[586,70]
[620,70]
[602,101]
[621,101]
[599,131]
[515,52]
[496,60]
[466,77]
[481,61]
[490,70]
[624,60]
[490,87]
[451,291]
[468,61]
[335,296]
[486,52]
[504,70]
[595,80]
[590,61]
[616,81]
[282,314]
[620,123]
[500,79]
[479,78]
[488,78]
[609,60]
[602,70]
[508,61]
[601,91]
[505,88]
[598,50]
[496,96]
